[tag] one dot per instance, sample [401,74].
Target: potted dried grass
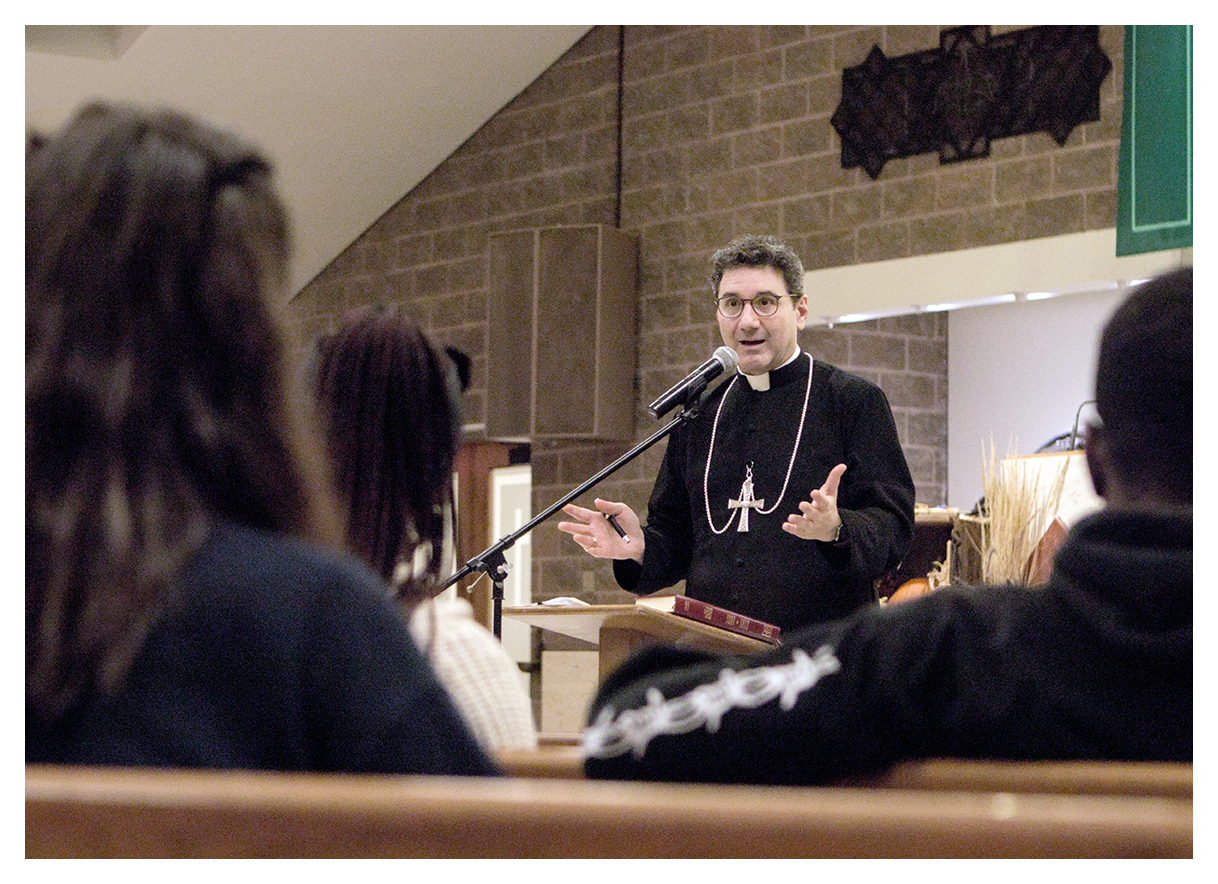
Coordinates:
[1021,504]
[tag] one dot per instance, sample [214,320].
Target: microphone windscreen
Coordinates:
[728,357]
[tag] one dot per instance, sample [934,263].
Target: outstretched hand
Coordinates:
[818,518]
[597,535]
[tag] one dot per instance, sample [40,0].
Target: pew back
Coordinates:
[1145,778]
[91,812]
[1142,778]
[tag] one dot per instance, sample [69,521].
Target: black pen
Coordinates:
[612,520]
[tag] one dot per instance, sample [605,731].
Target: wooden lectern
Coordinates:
[620,630]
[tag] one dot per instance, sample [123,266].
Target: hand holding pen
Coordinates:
[611,531]
[612,520]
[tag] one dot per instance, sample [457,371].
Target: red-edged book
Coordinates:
[715,616]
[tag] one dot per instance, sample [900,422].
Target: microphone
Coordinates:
[695,382]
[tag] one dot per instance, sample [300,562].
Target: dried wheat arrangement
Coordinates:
[1019,506]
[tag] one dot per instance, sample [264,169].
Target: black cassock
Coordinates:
[765,572]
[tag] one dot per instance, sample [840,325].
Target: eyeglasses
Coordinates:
[763,305]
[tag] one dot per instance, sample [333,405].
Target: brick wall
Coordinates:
[724,130]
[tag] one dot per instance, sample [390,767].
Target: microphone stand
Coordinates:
[492,561]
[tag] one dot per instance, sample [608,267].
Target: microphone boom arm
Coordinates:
[492,560]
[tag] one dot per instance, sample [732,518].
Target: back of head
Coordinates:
[1144,389]
[154,386]
[390,405]
[758,251]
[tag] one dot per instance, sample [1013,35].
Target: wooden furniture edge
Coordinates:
[157,813]
[1144,778]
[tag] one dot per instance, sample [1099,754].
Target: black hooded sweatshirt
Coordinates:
[1096,664]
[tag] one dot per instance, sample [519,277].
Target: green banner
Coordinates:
[1155,186]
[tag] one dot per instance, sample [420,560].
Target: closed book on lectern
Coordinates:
[703,612]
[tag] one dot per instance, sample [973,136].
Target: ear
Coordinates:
[1096,452]
[801,311]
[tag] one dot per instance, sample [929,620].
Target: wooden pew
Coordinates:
[564,762]
[1133,778]
[1147,779]
[97,812]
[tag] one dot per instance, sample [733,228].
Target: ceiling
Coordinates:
[353,117]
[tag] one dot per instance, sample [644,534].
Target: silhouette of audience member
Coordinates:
[390,403]
[1097,664]
[182,609]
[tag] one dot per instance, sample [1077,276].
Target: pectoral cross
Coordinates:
[746,501]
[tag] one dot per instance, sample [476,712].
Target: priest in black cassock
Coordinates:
[787,496]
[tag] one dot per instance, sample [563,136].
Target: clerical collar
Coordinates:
[762,381]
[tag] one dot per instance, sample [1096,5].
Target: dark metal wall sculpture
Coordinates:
[974,88]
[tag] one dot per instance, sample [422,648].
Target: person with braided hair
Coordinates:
[389,402]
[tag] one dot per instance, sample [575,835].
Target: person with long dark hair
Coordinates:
[390,403]
[188,602]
